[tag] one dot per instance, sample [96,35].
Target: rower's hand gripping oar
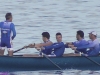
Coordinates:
[22,48]
[48,58]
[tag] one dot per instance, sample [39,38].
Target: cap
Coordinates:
[93,32]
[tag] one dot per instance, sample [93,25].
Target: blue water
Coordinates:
[32,17]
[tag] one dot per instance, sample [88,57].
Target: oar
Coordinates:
[90,59]
[43,54]
[18,50]
[50,60]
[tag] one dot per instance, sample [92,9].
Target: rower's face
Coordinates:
[59,38]
[43,38]
[77,36]
[90,36]
[11,18]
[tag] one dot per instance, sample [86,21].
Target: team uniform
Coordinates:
[45,51]
[7,29]
[56,49]
[92,46]
[78,44]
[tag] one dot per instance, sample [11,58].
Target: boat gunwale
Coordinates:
[20,56]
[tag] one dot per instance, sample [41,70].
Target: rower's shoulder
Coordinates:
[1,22]
[12,24]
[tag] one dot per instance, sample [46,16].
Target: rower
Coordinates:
[47,42]
[7,27]
[80,42]
[93,45]
[58,48]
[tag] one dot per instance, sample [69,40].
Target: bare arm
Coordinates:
[38,45]
[43,44]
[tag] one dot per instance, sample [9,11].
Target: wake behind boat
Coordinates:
[18,63]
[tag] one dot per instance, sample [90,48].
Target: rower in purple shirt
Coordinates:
[7,29]
[56,49]
[93,45]
[80,42]
[46,42]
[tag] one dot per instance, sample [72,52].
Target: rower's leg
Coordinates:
[2,48]
[10,49]
[2,51]
[10,52]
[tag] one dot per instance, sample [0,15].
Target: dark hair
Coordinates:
[58,34]
[46,34]
[81,33]
[95,35]
[8,16]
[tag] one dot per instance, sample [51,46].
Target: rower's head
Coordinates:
[8,17]
[80,35]
[45,36]
[92,35]
[58,37]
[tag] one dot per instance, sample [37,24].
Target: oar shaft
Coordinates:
[20,49]
[90,59]
[17,50]
[50,60]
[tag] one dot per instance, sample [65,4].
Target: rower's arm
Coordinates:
[90,45]
[44,44]
[66,46]
[75,43]
[1,23]
[39,45]
[54,46]
[13,30]
[80,50]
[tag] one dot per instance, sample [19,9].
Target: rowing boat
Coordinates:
[17,63]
